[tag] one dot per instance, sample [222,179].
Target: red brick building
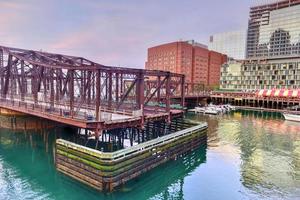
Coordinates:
[199,65]
[216,60]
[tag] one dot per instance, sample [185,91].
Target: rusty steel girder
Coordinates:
[77,88]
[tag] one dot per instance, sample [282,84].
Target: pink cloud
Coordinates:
[11,5]
[102,41]
[11,16]
[72,40]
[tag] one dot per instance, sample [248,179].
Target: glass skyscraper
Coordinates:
[274,30]
[232,43]
[273,49]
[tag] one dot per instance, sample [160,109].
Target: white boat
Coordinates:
[221,109]
[291,117]
[200,109]
[207,110]
[211,111]
[214,109]
[230,107]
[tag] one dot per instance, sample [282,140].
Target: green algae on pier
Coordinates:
[107,170]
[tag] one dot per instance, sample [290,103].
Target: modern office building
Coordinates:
[271,74]
[273,49]
[254,75]
[232,43]
[194,60]
[274,30]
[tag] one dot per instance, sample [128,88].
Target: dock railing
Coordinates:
[134,149]
[107,170]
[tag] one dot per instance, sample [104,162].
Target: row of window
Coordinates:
[256,87]
[261,82]
[162,54]
[272,67]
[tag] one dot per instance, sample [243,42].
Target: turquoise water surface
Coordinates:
[249,155]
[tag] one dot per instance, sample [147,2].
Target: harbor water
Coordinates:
[249,155]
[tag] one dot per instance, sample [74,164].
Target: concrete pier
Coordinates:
[8,112]
[105,171]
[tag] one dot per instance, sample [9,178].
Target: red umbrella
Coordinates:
[281,93]
[265,93]
[273,92]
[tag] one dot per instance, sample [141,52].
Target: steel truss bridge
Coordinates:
[82,93]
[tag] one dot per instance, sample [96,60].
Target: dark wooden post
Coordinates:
[23,85]
[158,91]
[52,88]
[71,92]
[58,84]
[168,99]
[7,76]
[140,96]
[109,90]
[98,94]
[117,88]
[89,84]
[182,91]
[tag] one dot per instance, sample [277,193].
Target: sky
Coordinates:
[115,32]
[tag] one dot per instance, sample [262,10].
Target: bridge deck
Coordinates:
[109,119]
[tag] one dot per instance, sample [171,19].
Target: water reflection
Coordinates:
[27,169]
[267,147]
[249,155]
[166,181]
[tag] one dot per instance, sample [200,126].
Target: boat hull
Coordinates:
[292,117]
[214,109]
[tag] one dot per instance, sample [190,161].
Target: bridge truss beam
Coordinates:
[77,88]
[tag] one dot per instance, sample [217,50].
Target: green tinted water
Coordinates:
[249,156]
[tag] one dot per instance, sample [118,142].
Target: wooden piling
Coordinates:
[105,171]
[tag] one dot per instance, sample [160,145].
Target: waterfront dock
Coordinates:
[264,109]
[105,171]
[262,99]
